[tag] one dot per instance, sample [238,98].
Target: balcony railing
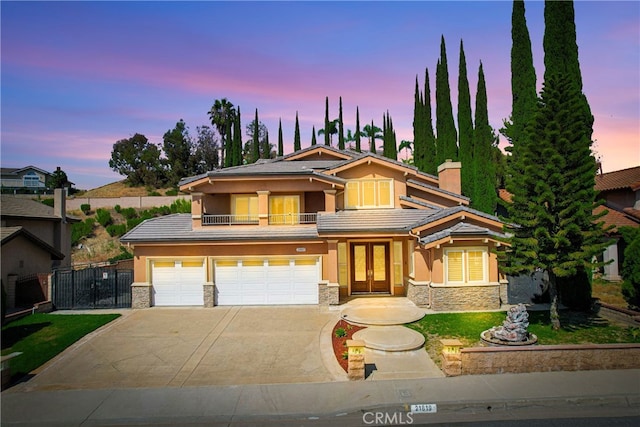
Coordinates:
[283,219]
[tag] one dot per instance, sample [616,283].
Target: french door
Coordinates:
[370,270]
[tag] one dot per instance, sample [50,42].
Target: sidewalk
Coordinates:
[464,398]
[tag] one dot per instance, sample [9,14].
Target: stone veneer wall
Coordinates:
[418,292]
[328,293]
[547,358]
[451,298]
[209,290]
[141,295]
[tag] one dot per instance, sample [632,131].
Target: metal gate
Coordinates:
[96,287]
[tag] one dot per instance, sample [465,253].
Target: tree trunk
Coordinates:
[553,294]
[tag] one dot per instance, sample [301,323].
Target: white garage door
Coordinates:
[178,282]
[267,281]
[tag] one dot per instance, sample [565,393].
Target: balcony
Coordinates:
[282,219]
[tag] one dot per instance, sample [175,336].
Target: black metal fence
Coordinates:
[97,287]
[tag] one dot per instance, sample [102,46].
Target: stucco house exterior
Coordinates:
[35,239]
[316,227]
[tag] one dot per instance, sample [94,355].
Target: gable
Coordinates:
[319,152]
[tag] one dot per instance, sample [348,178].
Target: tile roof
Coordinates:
[461,229]
[371,220]
[616,218]
[625,178]
[440,190]
[419,202]
[25,208]
[443,213]
[177,228]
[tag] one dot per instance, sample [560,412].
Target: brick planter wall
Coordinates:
[451,298]
[546,358]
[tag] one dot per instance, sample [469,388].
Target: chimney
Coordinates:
[60,204]
[449,176]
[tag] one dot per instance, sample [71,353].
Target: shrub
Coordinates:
[86,208]
[133,222]
[631,266]
[117,208]
[124,254]
[48,202]
[104,217]
[340,332]
[129,213]
[181,206]
[154,193]
[172,192]
[80,230]
[117,230]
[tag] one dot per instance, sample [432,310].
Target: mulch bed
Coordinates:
[340,343]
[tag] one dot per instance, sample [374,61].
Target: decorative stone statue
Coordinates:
[514,328]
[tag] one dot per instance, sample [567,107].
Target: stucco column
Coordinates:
[330,201]
[331,266]
[196,210]
[263,207]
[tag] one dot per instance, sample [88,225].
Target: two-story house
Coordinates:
[317,226]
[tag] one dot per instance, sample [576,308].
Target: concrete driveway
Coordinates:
[176,347]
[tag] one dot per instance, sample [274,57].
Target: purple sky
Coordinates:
[79,76]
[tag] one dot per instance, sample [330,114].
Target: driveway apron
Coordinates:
[195,346]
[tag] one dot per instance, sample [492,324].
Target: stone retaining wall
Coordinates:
[546,358]
[460,298]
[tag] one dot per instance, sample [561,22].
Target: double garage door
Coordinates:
[270,281]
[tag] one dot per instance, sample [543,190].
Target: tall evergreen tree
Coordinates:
[523,78]
[430,163]
[465,128]
[327,123]
[313,136]
[236,152]
[280,140]
[357,135]
[447,139]
[552,182]
[484,196]
[340,128]
[561,58]
[389,148]
[419,126]
[296,136]
[177,147]
[255,146]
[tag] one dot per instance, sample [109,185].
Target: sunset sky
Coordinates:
[79,76]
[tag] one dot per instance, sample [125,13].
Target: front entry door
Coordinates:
[370,267]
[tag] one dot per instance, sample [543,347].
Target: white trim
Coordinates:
[465,262]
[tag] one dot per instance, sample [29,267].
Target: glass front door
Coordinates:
[370,267]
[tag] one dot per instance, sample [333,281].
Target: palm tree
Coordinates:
[333,129]
[372,132]
[222,116]
[350,137]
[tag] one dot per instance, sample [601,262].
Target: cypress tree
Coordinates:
[552,183]
[296,135]
[358,147]
[313,136]
[340,128]
[418,129]
[523,78]
[237,141]
[229,159]
[280,140]
[561,58]
[465,128]
[430,162]
[484,196]
[327,135]
[372,139]
[255,146]
[447,138]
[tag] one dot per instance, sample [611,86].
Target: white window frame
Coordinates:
[465,265]
[376,193]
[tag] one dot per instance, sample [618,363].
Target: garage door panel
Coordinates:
[267,281]
[178,283]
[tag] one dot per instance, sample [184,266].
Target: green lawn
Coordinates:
[577,328]
[40,337]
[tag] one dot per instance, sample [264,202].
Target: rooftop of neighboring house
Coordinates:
[620,179]
[18,207]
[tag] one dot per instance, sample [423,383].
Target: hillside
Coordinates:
[121,189]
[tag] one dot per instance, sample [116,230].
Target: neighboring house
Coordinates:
[28,178]
[35,239]
[620,191]
[317,226]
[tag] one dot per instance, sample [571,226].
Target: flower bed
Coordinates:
[342,332]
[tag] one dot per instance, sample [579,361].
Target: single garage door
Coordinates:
[178,282]
[269,281]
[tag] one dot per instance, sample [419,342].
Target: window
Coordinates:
[397,263]
[369,193]
[410,248]
[31,180]
[284,210]
[466,265]
[244,208]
